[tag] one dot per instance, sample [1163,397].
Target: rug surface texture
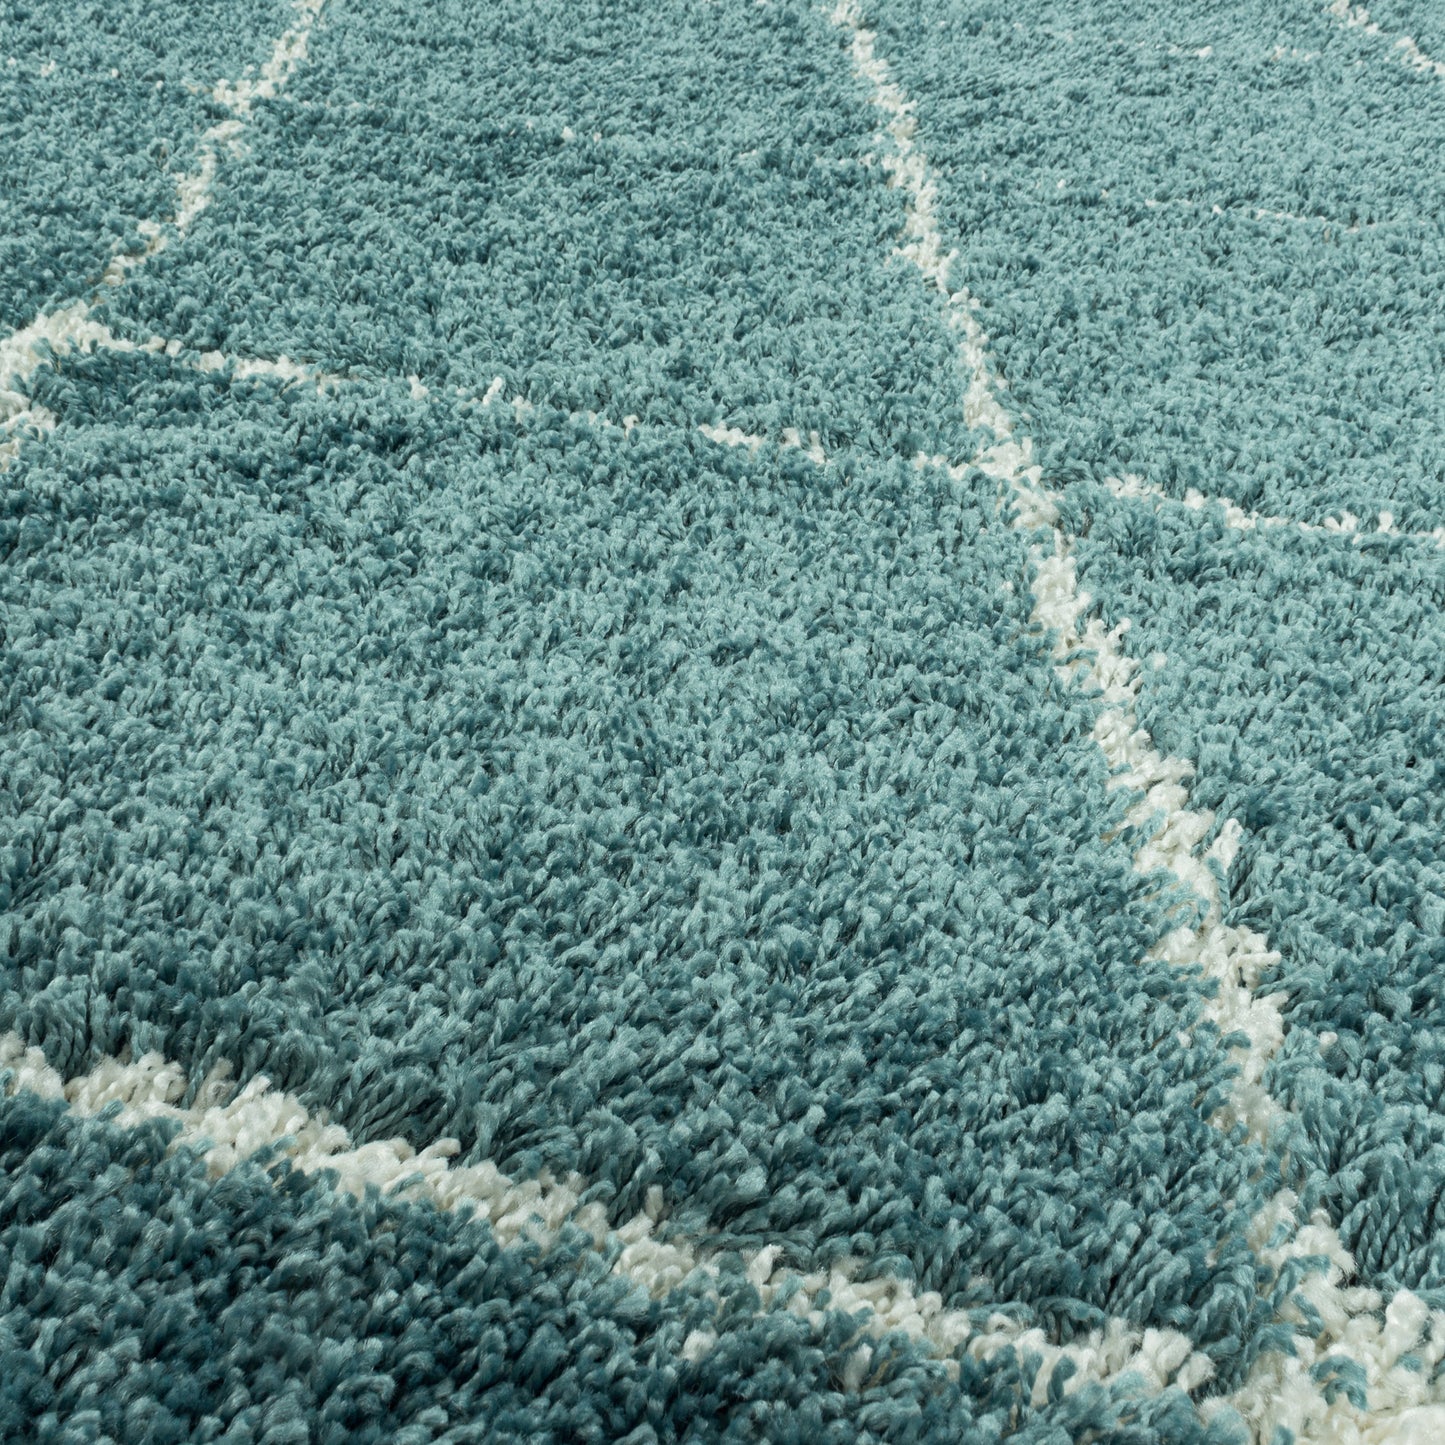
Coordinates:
[722,721]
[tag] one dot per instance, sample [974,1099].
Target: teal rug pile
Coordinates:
[722,721]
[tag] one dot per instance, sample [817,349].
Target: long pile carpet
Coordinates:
[722,721]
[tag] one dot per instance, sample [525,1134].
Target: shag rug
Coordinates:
[722,721]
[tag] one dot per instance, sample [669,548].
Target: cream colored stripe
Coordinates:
[1345,525]
[1280,1390]
[25,349]
[230,1126]
[1356,17]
